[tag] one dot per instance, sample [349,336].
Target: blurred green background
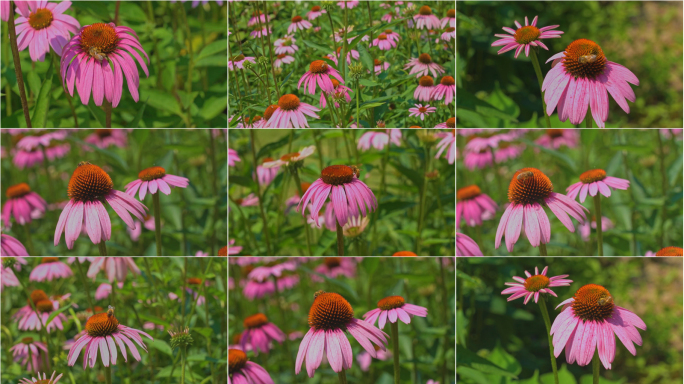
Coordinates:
[511,335]
[501,91]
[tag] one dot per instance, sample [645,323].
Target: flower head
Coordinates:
[259,333]
[20,353]
[241,370]
[153,179]
[425,19]
[534,285]
[286,45]
[448,141]
[446,87]
[472,204]
[355,226]
[233,157]
[583,80]
[43,25]
[593,182]
[422,65]
[330,317]
[104,331]
[394,308]
[378,139]
[104,138]
[384,42]
[86,62]
[555,138]
[22,204]
[465,246]
[529,187]
[11,247]
[50,268]
[298,23]
[587,322]
[295,159]
[319,73]
[43,380]
[525,37]
[421,111]
[27,319]
[315,12]
[115,268]
[239,61]
[290,113]
[180,337]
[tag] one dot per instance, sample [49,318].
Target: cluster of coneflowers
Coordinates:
[580,79]
[333,83]
[330,318]
[351,201]
[588,322]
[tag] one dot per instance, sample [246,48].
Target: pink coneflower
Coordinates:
[315,12]
[286,45]
[43,380]
[28,320]
[422,65]
[535,285]
[587,322]
[319,73]
[472,204]
[291,158]
[349,4]
[298,23]
[91,50]
[11,247]
[20,353]
[253,20]
[148,224]
[380,66]
[105,331]
[355,226]
[425,19]
[667,133]
[4,10]
[525,37]
[43,25]
[291,111]
[446,87]
[265,272]
[104,290]
[425,88]
[250,200]
[27,159]
[266,174]
[448,141]
[449,33]
[393,308]
[233,250]
[281,59]
[258,289]
[378,139]
[365,359]
[353,53]
[585,230]
[508,151]
[152,179]
[555,138]
[240,370]
[339,93]
[478,159]
[233,157]
[263,32]
[391,35]
[528,186]
[50,268]
[104,138]
[259,333]
[88,185]
[420,111]
[21,204]
[450,123]
[329,317]
[384,43]
[333,267]
[465,246]
[238,62]
[7,276]
[450,19]
[116,268]
[30,143]
[195,3]
[582,79]
[593,182]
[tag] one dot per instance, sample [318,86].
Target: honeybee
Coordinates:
[318,293]
[525,175]
[356,170]
[587,59]
[83,163]
[605,300]
[95,52]
[110,311]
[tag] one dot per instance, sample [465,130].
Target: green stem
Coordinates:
[542,249]
[270,48]
[340,239]
[540,78]
[357,247]
[29,241]
[85,284]
[102,247]
[599,228]
[306,225]
[343,59]
[421,214]
[183,365]
[358,125]
[17,65]
[342,376]
[395,351]
[596,367]
[376,215]
[261,204]
[332,112]
[547,322]
[214,187]
[108,375]
[332,29]
[157,222]
[664,180]
[107,106]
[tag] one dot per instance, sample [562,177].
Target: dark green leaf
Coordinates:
[98,113]
[163,101]
[43,101]
[339,283]
[370,105]
[565,158]
[415,177]
[57,312]
[134,123]
[271,147]
[118,161]
[365,57]
[160,345]
[368,83]
[468,358]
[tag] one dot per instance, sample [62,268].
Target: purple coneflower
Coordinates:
[384,43]
[50,268]
[425,19]
[259,333]
[21,204]
[392,309]
[104,138]
[380,66]
[472,204]
[445,88]
[525,37]
[233,157]
[290,112]
[449,33]
[593,182]
[448,141]
[535,285]
[298,23]
[465,246]
[152,179]
[349,4]
[43,380]
[286,45]
[319,73]
[264,174]
[420,111]
[378,139]
[233,250]
[20,353]
[43,25]
[253,20]
[449,19]
[28,320]
[555,138]
[115,268]
[256,33]
[341,91]
[240,370]
[237,62]
[422,65]
[315,12]
[281,59]
[353,53]
[11,247]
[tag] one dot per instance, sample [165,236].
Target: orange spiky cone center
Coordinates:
[18,190]
[237,58]
[450,29]
[391,302]
[282,55]
[255,321]
[554,133]
[382,37]
[526,34]
[223,251]
[528,186]
[296,19]
[194,281]
[99,37]
[425,58]
[236,360]
[89,182]
[425,10]
[288,102]
[337,174]
[332,262]
[36,296]
[592,176]
[404,253]
[593,303]
[330,311]
[468,192]
[102,324]
[46,260]
[44,306]
[426,81]
[451,13]
[585,59]
[388,31]
[40,19]
[447,80]
[536,283]
[318,66]
[670,251]
[289,156]
[269,111]
[152,173]
[315,8]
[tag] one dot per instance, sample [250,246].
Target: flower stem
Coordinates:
[547,322]
[214,187]
[395,351]
[340,239]
[332,29]
[421,214]
[540,78]
[102,247]
[29,241]
[376,214]
[597,366]
[599,228]
[358,125]
[342,376]
[17,65]
[664,178]
[261,204]
[85,285]
[183,365]
[157,222]
[107,106]
[332,112]
[270,47]
[306,225]
[343,58]
[108,375]
[542,249]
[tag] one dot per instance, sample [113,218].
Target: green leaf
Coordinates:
[589,135]
[212,61]
[564,376]
[132,12]
[118,160]
[136,121]
[212,48]
[532,380]
[57,312]
[43,101]
[322,48]
[589,379]
[368,83]
[213,106]
[206,331]
[370,105]
[365,57]
[160,345]
[163,101]
[154,319]
[339,283]
[631,149]
[271,147]
[243,180]
[286,77]
[370,264]
[561,156]
[467,100]
[675,171]
[503,359]
[468,358]
[415,177]
[187,98]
